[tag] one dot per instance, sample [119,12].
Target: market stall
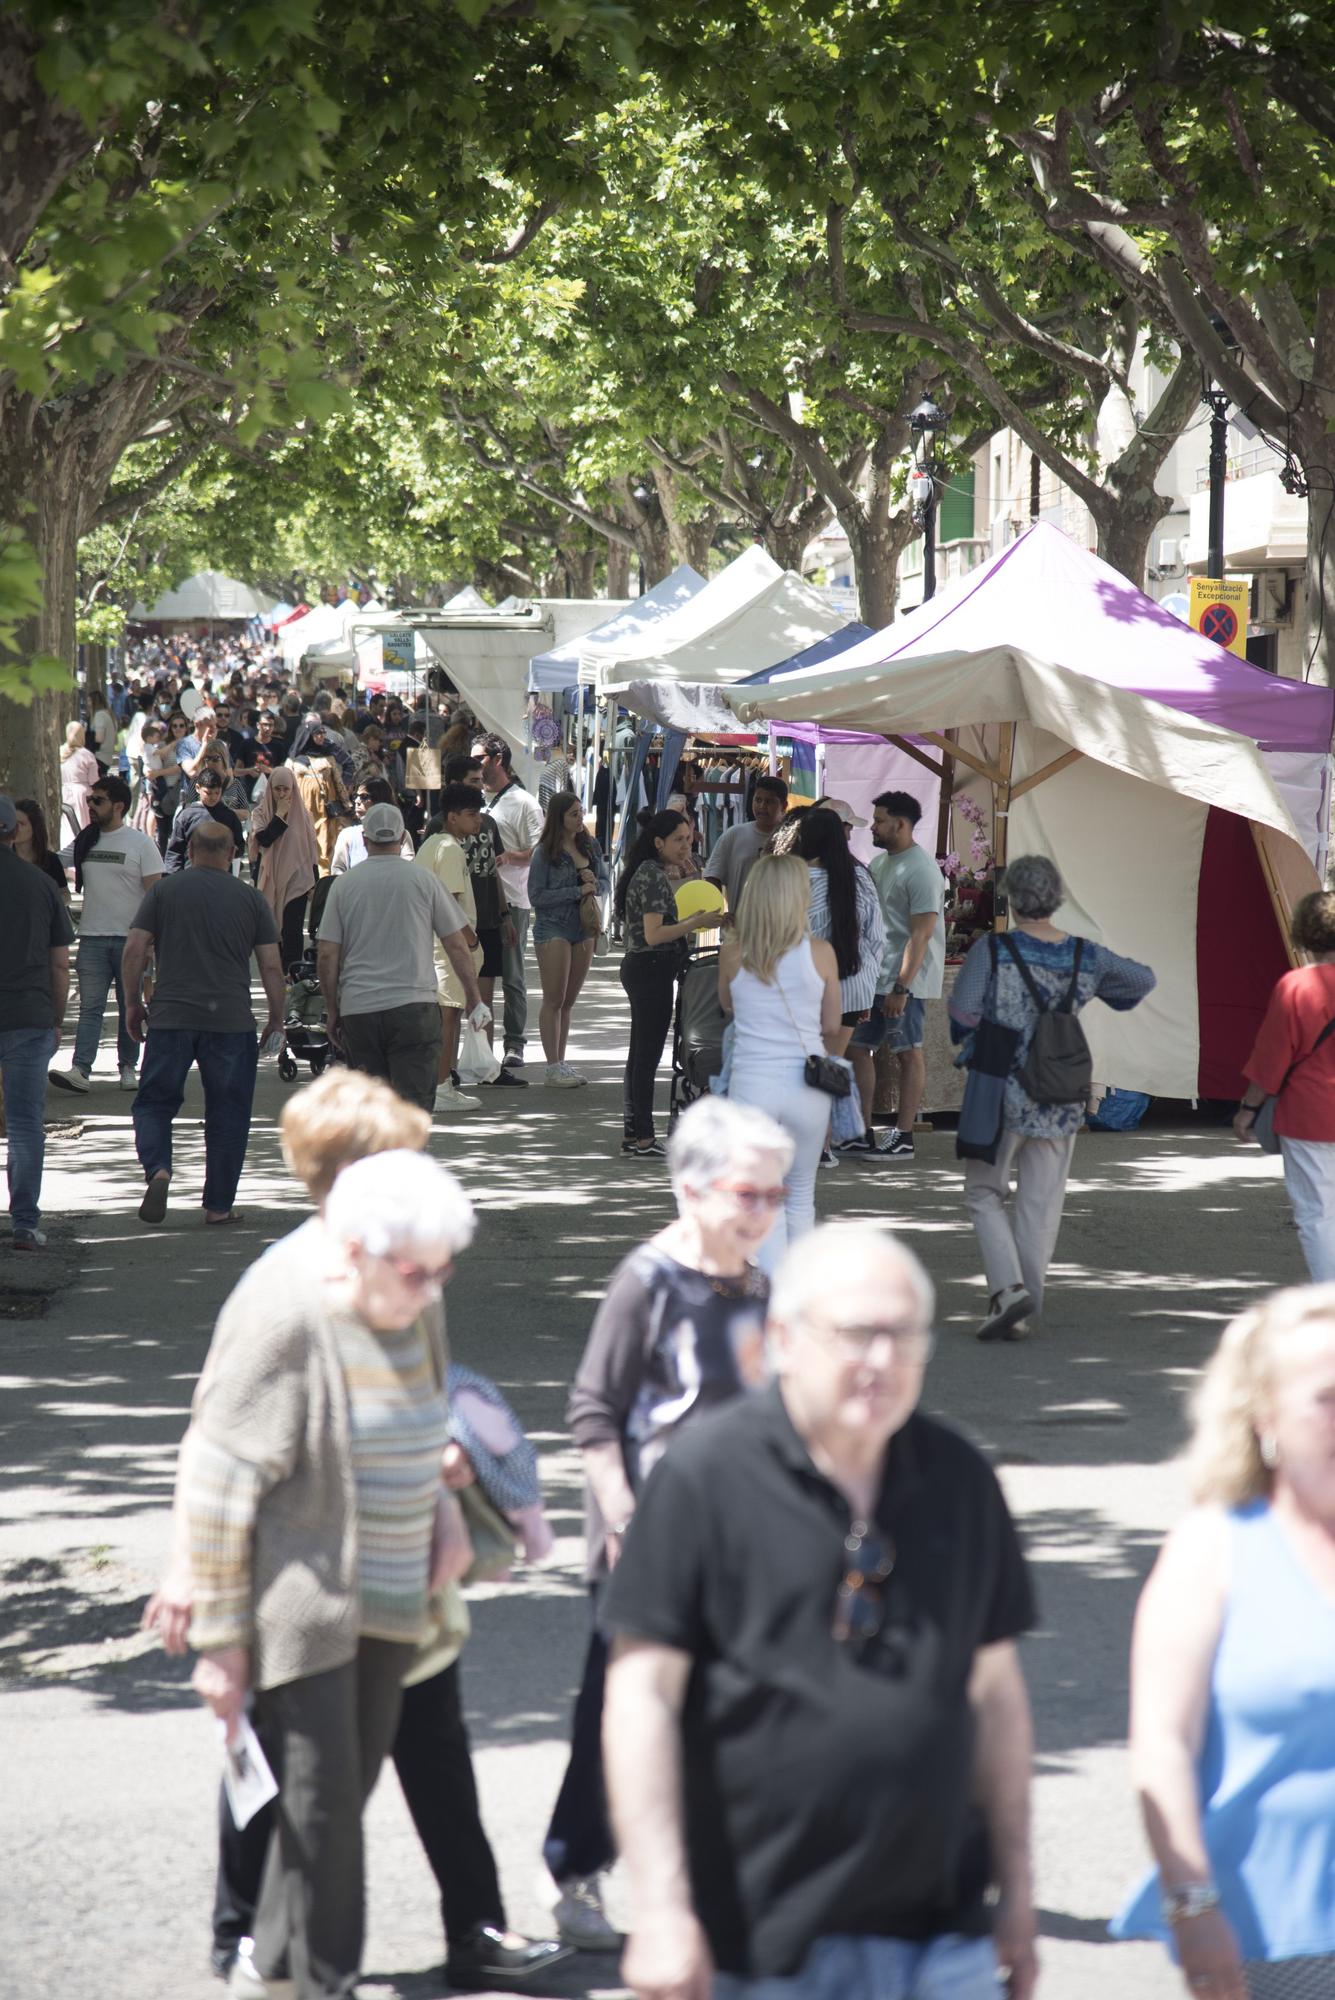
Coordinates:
[1139,756]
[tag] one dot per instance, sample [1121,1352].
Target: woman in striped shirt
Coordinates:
[318,1526]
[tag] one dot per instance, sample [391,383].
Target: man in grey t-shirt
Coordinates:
[203,926]
[377,969]
[737,851]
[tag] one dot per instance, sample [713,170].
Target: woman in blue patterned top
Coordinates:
[1037,1139]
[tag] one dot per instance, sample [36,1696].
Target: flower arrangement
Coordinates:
[971,884]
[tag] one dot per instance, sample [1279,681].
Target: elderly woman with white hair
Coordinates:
[680,1331]
[318,1525]
[1233,1674]
[1008,982]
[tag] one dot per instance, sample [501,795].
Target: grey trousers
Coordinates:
[333,1732]
[514,978]
[1017,1233]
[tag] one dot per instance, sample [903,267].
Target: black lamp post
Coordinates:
[923,421]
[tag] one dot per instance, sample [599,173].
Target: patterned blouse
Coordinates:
[857,992]
[649,890]
[1119,982]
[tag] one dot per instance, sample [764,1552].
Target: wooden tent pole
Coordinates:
[1001,821]
[947,794]
[1278,901]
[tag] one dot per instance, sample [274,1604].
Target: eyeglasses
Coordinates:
[911,1343]
[754,1199]
[859,1608]
[97,799]
[362,798]
[422,1276]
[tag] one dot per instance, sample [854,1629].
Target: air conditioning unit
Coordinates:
[1170,552]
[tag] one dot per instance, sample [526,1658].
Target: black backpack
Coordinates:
[1058,1068]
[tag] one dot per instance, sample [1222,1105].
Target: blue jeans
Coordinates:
[98,964]
[898,1031]
[227,1065]
[24,1055]
[876,1968]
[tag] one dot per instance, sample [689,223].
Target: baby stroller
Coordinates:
[697,1032]
[305,1029]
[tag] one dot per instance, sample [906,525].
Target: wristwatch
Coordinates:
[899,987]
[1193,1899]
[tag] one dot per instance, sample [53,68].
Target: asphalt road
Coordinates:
[110,1766]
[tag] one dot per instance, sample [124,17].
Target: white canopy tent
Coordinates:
[1170,831]
[324,636]
[220,599]
[553,671]
[749,616]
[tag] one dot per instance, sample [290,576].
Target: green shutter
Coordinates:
[955,521]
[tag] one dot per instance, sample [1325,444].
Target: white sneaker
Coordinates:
[559,1077]
[449,1097]
[68,1079]
[129,1077]
[245,1983]
[581,1920]
[573,1074]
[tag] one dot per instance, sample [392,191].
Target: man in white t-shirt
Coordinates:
[377,971]
[517,817]
[912,890]
[737,851]
[115,865]
[445,856]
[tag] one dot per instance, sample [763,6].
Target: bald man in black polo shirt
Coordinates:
[817,1735]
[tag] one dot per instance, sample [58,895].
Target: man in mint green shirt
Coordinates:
[912,890]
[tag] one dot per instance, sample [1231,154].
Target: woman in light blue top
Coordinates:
[567,865]
[1233,1674]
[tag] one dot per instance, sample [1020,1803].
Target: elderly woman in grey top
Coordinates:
[1017,1229]
[318,1525]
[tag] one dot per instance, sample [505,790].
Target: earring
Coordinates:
[1269,1447]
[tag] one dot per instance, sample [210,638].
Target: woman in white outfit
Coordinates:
[782,989]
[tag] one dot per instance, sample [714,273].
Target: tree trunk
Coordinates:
[618,570]
[787,543]
[39,493]
[1314,446]
[878,542]
[1123,535]
[581,568]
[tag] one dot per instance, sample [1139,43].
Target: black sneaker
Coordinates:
[864,1143]
[510,1076]
[655,1150]
[896,1145]
[483,1962]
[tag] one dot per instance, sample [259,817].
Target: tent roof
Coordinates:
[467,599]
[1114,725]
[746,618]
[559,667]
[700,706]
[210,594]
[1047,597]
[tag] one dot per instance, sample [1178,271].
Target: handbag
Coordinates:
[495,1543]
[590,914]
[828,1073]
[1263,1125]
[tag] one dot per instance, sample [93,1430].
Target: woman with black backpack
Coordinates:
[1014,1007]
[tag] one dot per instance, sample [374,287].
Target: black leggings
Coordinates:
[435,1766]
[290,942]
[650,980]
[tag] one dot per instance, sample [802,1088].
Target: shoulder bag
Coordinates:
[1263,1125]
[822,1072]
[1059,1068]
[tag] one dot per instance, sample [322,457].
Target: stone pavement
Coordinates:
[106,1809]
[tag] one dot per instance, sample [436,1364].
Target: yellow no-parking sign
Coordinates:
[1219,610]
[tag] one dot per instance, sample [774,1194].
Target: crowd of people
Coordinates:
[802,1722]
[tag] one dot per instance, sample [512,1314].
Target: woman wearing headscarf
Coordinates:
[322,766]
[285,856]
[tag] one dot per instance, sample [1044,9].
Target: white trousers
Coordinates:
[1017,1233]
[804,1114]
[1309,1176]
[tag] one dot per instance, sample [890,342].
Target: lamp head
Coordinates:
[927,416]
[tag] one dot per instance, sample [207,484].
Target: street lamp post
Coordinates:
[1218,403]
[923,421]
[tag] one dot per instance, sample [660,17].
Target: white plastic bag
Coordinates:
[478,1062]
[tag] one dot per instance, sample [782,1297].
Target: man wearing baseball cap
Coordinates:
[377,970]
[34,986]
